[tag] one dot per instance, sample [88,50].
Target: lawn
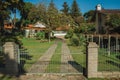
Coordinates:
[105,62]
[32,51]
[79,56]
[54,66]
[108,62]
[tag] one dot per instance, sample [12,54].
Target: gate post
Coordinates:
[92,60]
[10,51]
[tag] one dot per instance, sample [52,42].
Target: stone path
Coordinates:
[41,65]
[52,77]
[67,60]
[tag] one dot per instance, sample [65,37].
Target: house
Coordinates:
[101,15]
[32,29]
[8,25]
[61,31]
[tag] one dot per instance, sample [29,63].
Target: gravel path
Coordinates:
[41,65]
[67,60]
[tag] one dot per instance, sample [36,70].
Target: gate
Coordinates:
[58,59]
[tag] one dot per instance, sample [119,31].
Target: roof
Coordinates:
[37,25]
[62,28]
[110,11]
[40,25]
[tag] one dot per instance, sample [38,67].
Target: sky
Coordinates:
[84,5]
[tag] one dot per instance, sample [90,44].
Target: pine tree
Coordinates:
[75,11]
[51,7]
[65,9]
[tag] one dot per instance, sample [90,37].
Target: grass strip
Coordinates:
[54,65]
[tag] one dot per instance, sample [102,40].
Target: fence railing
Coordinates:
[109,51]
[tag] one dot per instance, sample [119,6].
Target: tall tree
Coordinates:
[65,9]
[27,8]
[76,14]
[52,15]
[75,11]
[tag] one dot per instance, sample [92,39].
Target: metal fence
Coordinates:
[55,65]
[109,51]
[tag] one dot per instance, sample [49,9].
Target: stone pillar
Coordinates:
[10,51]
[92,60]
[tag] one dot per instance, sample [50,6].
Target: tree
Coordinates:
[65,9]
[52,16]
[25,13]
[76,14]
[75,11]
[8,7]
[41,9]
[112,24]
[14,5]
[90,16]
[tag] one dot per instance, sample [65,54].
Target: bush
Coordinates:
[78,40]
[69,34]
[40,36]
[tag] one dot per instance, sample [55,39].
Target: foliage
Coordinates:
[7,7]
[69,34]
[78,40]
[87,28]
[90,16]
[65,9]
[76,14]
[75,11]
[52,16]
[112,23]
[40,35]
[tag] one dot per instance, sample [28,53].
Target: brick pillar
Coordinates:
[10,51]
[92,60]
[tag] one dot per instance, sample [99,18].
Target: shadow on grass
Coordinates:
[78,67]
[118,56]
[113,63]
[24,55]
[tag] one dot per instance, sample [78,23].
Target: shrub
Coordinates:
[40,36]
[69,34]
[78,40]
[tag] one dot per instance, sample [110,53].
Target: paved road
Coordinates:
[41,65]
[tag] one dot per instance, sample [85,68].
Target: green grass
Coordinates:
[105,62]
[78,55]
[54,66]
[35,50]
[108,62]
